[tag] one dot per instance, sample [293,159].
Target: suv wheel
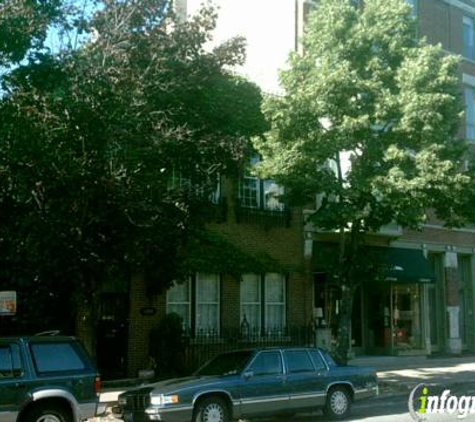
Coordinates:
[212,409]
[48,414]
[338,403]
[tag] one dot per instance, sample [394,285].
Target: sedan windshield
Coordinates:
[226,364]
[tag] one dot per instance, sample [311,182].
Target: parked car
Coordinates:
[253,383]
[46,379]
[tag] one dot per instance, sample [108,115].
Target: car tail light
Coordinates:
[97,385]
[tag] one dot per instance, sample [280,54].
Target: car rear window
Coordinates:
[330,361]
[10,361]
[57,357]
[317,359]
[298,361]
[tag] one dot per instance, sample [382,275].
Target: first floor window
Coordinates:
[263,303]
[207,303]
[197,302]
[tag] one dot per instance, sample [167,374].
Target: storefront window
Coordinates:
[406,317]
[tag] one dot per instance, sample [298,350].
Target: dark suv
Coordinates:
[46,379]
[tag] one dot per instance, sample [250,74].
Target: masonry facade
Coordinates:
[429,309]
[225,309]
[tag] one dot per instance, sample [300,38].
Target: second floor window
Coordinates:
[259,194]
[178,181]
[469,94]
[413,4]
[468,38]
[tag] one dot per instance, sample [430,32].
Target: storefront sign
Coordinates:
[8,303]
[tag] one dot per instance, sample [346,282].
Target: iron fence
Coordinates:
[192,352]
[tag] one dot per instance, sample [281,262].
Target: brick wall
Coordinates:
[284,244]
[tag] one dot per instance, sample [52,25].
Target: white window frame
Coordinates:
[215,303]
[177,181]
[468,39]
[264,304]
[171,303]
[268,304]
[257,278]
[193,303]
[260,198]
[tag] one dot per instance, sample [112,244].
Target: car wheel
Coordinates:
[338,403]
[48,414]
[212,409]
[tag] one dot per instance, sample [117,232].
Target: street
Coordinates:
[384,408]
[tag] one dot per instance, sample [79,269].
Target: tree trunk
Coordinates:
[349,243]
[344,324]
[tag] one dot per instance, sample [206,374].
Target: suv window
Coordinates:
[56,357]
[10,361]
[267,363]
[298,361]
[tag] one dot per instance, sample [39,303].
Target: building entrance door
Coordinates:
[112,335]
[406,320]
[377,315]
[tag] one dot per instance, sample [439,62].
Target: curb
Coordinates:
[389,389]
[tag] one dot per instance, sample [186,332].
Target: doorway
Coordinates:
[112,335]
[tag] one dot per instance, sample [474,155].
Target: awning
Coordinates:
[408,266]
[397,265]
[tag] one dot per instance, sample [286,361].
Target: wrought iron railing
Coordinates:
[263,217]
[207,343]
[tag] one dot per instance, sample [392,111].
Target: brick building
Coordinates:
[218,310]
[428,307]
[214,306]
[431,310]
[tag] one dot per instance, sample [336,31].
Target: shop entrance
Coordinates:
[393,315]
[406,317]
[378,317]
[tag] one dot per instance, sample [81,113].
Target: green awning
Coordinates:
[408,266]
[397,265]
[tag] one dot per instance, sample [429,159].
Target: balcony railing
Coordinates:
[263,217]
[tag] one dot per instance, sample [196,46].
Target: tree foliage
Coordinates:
[368,123]
[23,26]
[109,152]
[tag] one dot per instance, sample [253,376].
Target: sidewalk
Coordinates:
[401,374]
[396,374]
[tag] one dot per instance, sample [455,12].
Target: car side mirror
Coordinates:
[247,375]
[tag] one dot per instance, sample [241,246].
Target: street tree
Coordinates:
[367,124]
[23,27]
[110,152]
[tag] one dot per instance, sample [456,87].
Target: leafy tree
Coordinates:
[109,152]
[23,26]
[368,123]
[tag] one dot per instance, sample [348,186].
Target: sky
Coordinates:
[56,40]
